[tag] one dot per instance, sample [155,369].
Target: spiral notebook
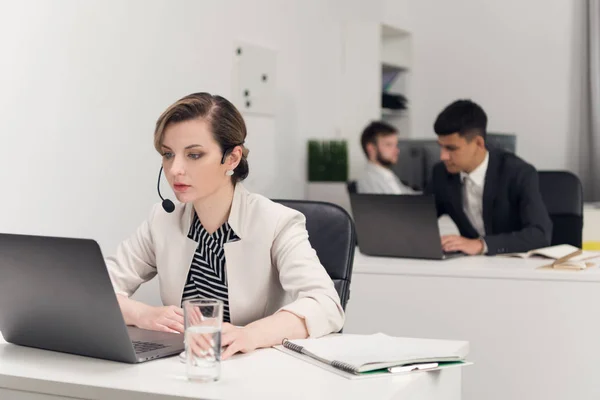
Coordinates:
[374,355]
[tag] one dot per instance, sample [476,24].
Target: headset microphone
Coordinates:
[167,204]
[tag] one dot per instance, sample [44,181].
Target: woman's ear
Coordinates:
[234,158]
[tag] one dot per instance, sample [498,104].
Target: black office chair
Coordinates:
[562,193]
[351,185]
[331,234]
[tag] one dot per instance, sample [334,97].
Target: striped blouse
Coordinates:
[207,278]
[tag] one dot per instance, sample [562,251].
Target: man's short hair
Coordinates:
[374,130]
[463,117]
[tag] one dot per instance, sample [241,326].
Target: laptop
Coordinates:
[398,226]
[56,294]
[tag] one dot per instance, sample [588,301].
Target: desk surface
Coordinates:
[471,267]
[520,322]
[264,374]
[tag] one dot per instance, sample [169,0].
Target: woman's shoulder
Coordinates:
[267,208]
[261,210]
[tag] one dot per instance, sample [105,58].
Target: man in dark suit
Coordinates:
[492,196]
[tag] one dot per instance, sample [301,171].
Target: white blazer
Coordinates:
[272,267]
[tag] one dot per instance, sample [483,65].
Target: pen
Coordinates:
[412,367]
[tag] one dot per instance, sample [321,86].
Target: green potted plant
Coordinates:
[327,161]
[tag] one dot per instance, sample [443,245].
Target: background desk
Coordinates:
[533,334]
[31,374]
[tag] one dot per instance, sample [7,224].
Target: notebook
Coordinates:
[553,252]
[565,256]
[375,355]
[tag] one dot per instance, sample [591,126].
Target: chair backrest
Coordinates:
[351,185]
[562,193]
[331,233]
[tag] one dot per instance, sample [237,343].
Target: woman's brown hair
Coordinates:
[225,122]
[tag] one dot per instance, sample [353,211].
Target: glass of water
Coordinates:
[203,321]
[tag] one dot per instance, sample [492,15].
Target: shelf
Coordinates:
[388,112]
[389,66]
[388,31]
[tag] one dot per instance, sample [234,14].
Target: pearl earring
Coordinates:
[229,172]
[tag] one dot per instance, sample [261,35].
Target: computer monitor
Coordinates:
[416,160]
[504,141]
[419,156]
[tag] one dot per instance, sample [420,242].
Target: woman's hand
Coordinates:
[265,332]
[164,319]
[236,339]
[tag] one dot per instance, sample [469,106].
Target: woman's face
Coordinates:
[192,160]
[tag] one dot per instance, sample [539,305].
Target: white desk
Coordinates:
[533,334]
[31,374]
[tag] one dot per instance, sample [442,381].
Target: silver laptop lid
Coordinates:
[56,294]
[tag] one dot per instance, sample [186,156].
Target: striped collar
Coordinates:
[236,214]
[198,233]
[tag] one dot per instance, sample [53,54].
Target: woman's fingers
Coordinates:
[163,328]
[200,344]
[227,338]
[178,310]
[231,350]
[194,316]
[174,325]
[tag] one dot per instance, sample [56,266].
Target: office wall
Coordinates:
[82,84]
[516,58]
[84,81]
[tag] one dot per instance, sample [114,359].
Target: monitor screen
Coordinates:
[418,157]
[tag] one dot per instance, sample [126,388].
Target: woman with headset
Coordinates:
[221,241]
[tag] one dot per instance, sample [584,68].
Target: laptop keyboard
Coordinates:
[144,347]
[452,253]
